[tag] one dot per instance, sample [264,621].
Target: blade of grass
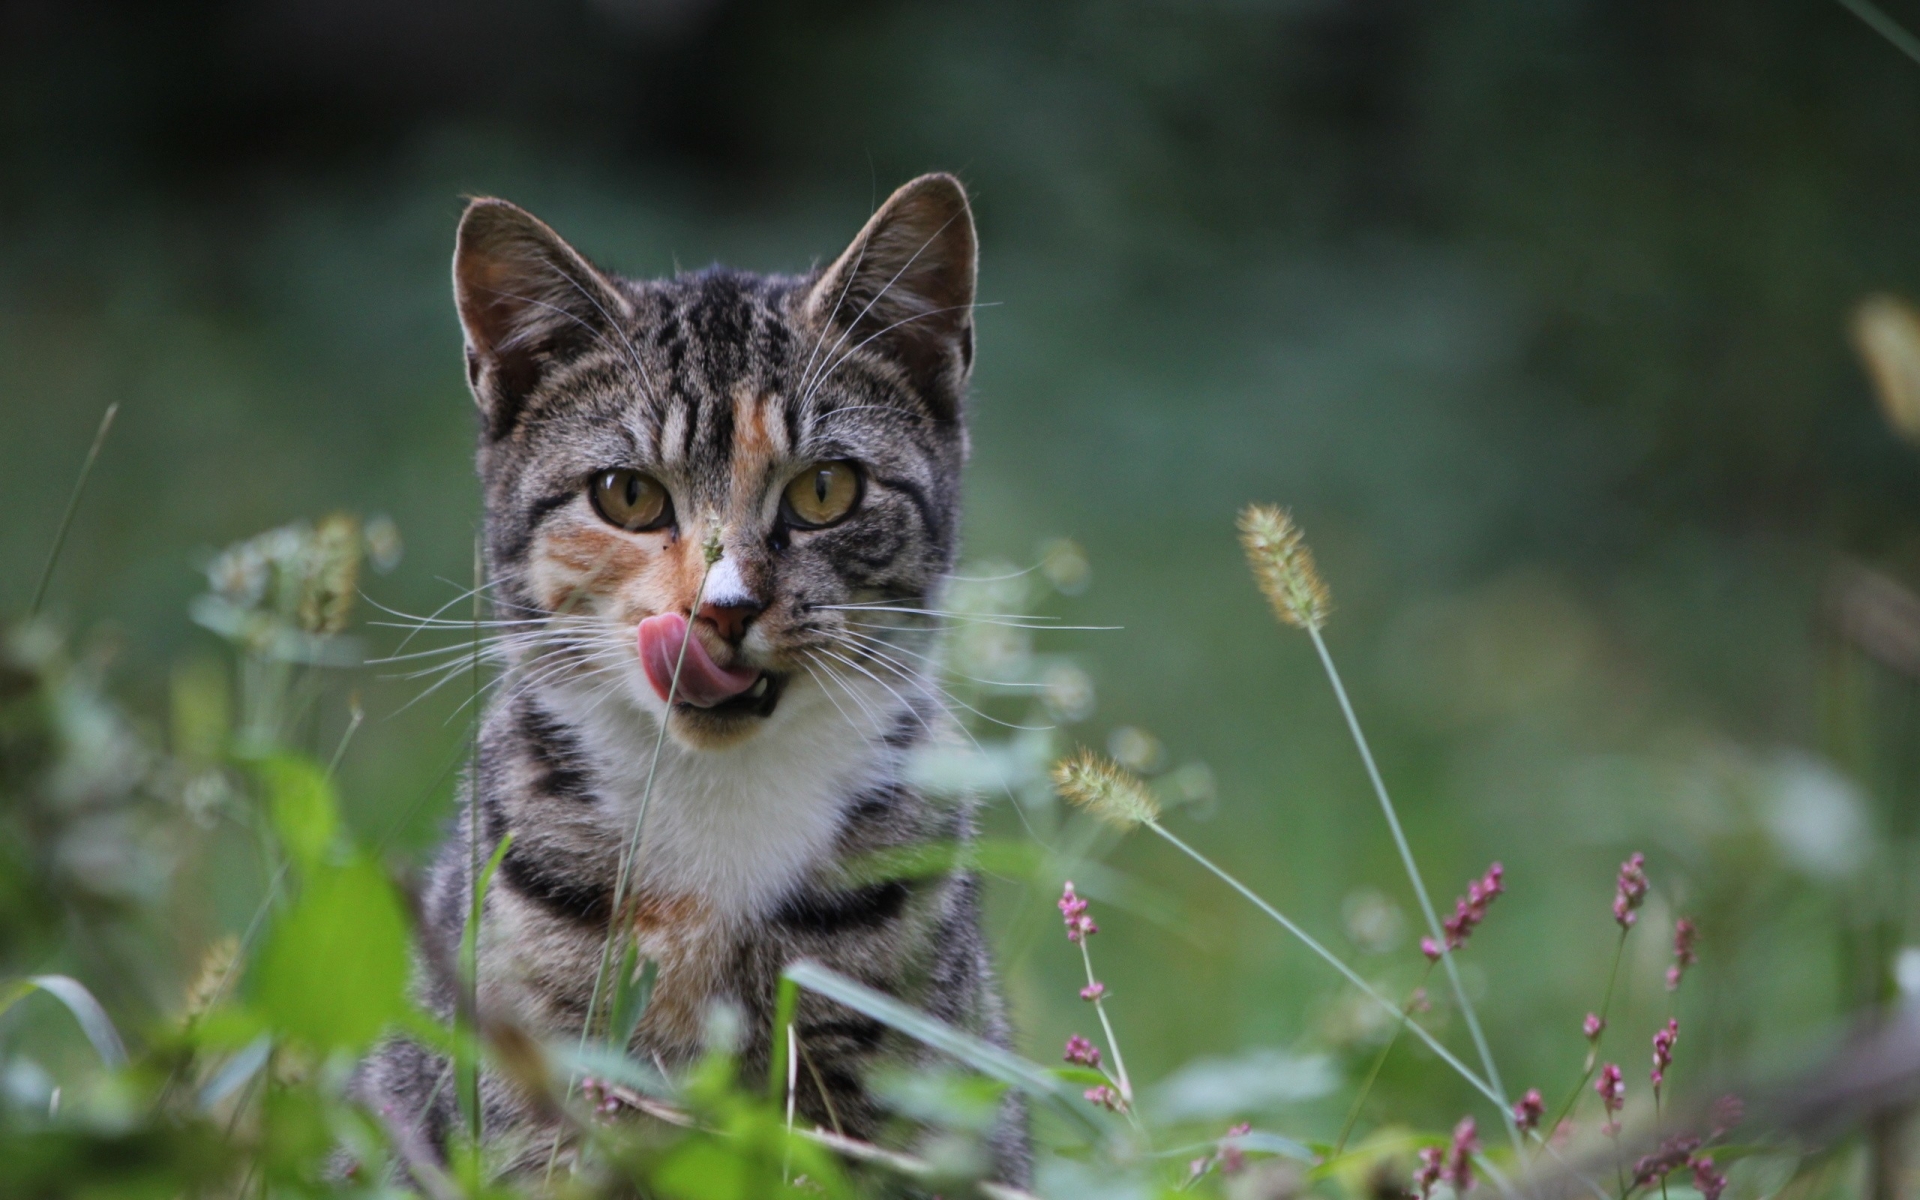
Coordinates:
[467,1042]
[86,1010]
[786,1000]
[73,506]
[1498,1091]
[1885,26]
[982,1056]
[632,848]
[632,992]
[1329,957]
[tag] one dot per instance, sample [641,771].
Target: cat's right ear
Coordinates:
[525,297]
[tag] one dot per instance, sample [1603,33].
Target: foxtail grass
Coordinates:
[1283,566]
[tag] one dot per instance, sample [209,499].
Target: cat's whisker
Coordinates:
[945,698]
[936,664]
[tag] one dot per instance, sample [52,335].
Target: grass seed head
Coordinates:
[1283,566]
[1105,789]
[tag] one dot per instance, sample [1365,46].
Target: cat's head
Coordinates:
[806,430]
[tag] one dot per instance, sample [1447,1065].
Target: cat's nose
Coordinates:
[728,601]
[730,621]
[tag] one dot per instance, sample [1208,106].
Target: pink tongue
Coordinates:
[703,683]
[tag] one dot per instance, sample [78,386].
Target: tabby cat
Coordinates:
[810,431]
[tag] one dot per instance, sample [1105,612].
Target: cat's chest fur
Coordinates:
[726,840]
[734,830]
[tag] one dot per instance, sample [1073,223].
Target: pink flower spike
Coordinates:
[1528,1110]
[1612,1088]
[1459,1169]
[1707,1181]
[1093,991]
[1663,1050]
[1630,890]
[1105,1097]
[1074,910]
[1468,912]
[1682,953]
[1432,1160]
[1592,1027]
[1082,1052]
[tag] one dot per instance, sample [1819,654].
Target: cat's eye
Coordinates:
[822,494]
[630,499]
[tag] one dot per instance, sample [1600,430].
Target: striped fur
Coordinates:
[724,386]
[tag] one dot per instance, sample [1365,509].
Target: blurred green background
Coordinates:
[1535,314]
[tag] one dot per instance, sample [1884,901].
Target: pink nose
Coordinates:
[730,621]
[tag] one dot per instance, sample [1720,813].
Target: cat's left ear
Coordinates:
[526,299]
[906,283]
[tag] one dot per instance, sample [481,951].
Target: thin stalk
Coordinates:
[1332,960]
[1113,1043]
[1499,1091]
[73,506]
[470,1085]
[1885,26]
[1379,1061]
[1593,1051]
[632,848]
[355,715]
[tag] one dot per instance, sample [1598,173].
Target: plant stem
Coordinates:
[470,1089]
[1593,1051]
[1113,1043]
[1332,960]
[632,848]
[73,506]
[1885,26]
[1379,1061]
[1419,890]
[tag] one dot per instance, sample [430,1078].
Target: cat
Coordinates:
[810,431]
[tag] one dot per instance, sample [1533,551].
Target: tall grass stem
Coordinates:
[1499,1091]
[1331,959]
[1877,20]
[73,506]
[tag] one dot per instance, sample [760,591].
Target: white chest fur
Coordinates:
[735,826]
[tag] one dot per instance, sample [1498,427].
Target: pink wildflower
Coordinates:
[1082,1052]
[1106,1098]
[1727,1112]
[1613,1094]
[1673,1154]
[1592,1027]
[1707,1181]
[1432,1162]
[1468,912]
[1663,1042]
[1630,890]
[1528,1109]
[1074,910]
[1093,991]
[1682,952]
[1459,1170]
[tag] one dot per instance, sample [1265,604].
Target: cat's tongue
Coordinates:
[703,683]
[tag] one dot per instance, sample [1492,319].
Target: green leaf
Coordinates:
[334,970]
[236,1071]
[85,1009]
[632,990]
[301,804]
[785,1001]
[984,1057]
[701,1169]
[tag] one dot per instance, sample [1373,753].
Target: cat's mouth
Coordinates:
[684,674]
